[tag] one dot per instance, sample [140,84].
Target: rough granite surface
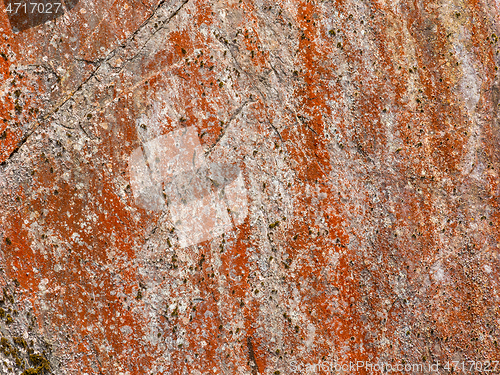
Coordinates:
[366,135]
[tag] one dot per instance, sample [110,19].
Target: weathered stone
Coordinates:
[356,221]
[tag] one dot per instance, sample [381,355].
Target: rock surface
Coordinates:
[367,137]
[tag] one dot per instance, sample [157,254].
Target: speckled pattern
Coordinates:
[367,136]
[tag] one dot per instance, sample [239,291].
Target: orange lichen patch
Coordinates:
[18,109]
[9,143]
[114,27]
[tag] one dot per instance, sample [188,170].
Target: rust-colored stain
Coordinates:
[368,139]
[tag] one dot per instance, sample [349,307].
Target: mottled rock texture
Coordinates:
[368,138]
